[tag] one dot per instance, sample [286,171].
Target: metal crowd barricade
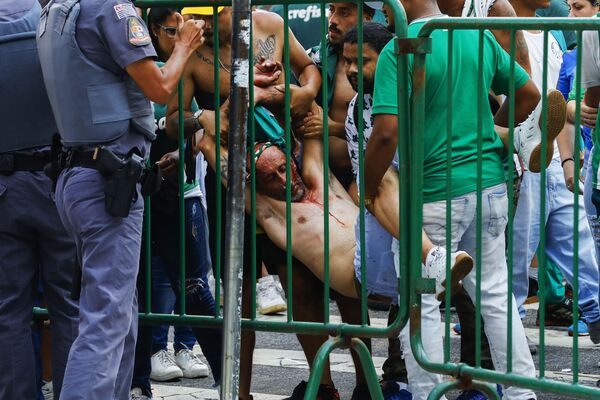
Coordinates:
[410,151]
[345,335]
[475,376]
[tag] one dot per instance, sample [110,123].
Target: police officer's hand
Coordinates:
[168,163]
[189,33]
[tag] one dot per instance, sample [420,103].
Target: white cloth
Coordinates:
[535,44]
[590,63]
[351,126]
[477,8]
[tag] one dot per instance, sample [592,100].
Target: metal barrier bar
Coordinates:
[236,182]
[218,187]
[511,194]
[479,210]
[575,363]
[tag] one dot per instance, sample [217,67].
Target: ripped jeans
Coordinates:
[494,276]
[593,214]
[198,299]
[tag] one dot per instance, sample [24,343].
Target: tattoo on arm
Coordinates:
[265,48]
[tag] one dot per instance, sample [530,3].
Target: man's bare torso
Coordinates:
[308,228]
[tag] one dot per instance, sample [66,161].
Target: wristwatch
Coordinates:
[197,115]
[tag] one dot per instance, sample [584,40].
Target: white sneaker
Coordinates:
[267,296]
[528,135]
[435,267]
[190,364]
[279,287]
[164,367]
[137,394]
[47,390]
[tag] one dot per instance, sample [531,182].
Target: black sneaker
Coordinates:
[361,392]
[325,392]
[558,314]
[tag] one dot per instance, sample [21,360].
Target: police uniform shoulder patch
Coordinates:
[124,10]
[137,33]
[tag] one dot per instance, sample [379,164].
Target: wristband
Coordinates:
[562,164]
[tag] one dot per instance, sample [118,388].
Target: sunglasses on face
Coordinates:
[171,31]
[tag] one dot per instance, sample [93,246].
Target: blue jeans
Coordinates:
[494,296]
[382,277]
[163,302]
[559,238]
[198,299]
[593,214]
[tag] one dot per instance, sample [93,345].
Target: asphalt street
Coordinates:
[279,364]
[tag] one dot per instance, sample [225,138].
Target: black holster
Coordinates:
[120,189]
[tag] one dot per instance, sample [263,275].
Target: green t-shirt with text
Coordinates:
[496,73]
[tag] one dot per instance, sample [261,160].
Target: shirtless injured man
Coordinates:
[307,191]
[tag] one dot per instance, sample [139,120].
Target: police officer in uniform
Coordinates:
[99,72]
[33,241]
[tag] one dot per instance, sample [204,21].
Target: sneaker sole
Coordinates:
[556,116]
[167,377]
[273,309]
[580,334]
[197,374]
[461,268]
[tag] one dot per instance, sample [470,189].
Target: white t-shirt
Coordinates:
[352,128]
[590,64]
[535,44]
[477,8]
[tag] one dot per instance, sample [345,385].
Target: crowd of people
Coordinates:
[102,83]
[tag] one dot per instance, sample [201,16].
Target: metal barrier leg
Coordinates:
[365,359]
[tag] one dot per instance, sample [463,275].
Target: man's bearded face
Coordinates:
[270,175]
[342,18]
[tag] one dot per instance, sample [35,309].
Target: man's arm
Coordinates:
[190,125]
[380,151]
[592,96]
[308,76]
[527,98]
[159,85]
[503,8]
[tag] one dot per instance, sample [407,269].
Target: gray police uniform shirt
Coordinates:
[9,11]
[105,34]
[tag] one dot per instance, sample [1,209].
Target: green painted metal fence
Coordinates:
[463,372]
[410,283]
[345,335]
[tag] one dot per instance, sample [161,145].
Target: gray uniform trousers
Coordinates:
[100,365]
[32,241]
